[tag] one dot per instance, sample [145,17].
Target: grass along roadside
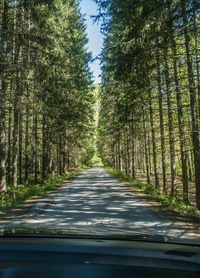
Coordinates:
[19,195]
[152,193]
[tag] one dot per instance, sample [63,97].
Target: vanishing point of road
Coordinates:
[95,202]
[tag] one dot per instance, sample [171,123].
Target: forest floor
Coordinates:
[141,176]
[95,202]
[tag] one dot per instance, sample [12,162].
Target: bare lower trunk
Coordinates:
[170,124]
[125,155]
[180,110]
[26,138]
[3,89]
[149,153]
[26,159]
[119,156]
[9,137]
[193,105]
[35,148]
[44,147]
[145,147]
[153,141]
[196,34]
[128,153]
[60,154]
[17,104]
[162,134]
[20,147]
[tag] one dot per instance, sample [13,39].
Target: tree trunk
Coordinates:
[170,124]
[9,137]
[3,89]
[44,146]
[119,155]
[195,3]
[26,137]
[17,101]
[180,115]
[149,153]
[145,147]
[35,145]
[60,154]
[65,157]
[190,168]
[153,141]
[128,154]
[116,157]
[12,89]
[193,105]
[26,162]
[125,155]
[133,152]
[20,146]
[20,125]
[162,133]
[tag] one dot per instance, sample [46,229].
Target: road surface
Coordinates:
[95,202]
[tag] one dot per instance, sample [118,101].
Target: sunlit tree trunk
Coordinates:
[153,141]
[145,146]
[125,155]
[119,155]
[180,113]
[133,154]
[44,146]
[193,104]
[196,34]
[128,153]
[162,134]
[149,152]
[170,124]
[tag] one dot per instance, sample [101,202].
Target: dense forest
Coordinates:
[149,119]
[46,98]
[148,111]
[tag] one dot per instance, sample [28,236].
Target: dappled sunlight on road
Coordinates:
[95,202]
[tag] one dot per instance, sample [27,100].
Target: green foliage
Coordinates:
[17,196]
[96,160]
[48,95]
[149,109]
[163,198]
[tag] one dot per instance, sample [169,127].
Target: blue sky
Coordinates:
[95,44]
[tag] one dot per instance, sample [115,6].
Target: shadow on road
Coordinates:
[95,202]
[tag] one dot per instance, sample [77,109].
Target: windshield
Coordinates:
[100,116]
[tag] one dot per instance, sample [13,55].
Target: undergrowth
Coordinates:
[164,198]
[21,193]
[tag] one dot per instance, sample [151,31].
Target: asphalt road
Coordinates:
[95,202]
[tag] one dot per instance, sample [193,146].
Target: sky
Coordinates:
[95,44]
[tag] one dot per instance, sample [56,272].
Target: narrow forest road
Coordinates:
[95,202]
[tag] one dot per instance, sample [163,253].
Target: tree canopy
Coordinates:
[46,124]
[150,107]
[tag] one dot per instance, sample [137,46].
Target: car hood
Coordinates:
[52,233]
